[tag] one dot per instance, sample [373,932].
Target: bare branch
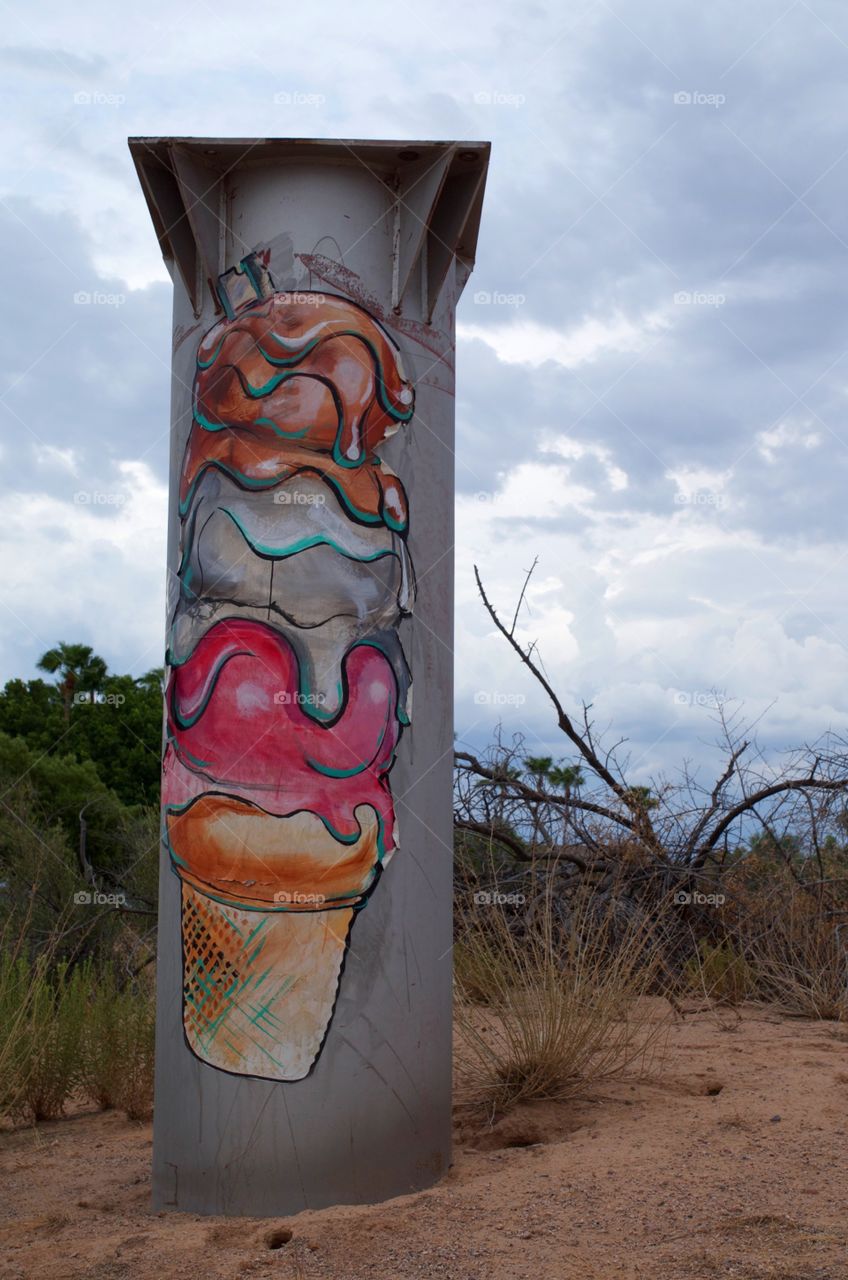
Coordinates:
[750,802]
[543,797]
[715,796]
[641,824]
[521,596]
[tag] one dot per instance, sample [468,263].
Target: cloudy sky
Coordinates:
[652,357]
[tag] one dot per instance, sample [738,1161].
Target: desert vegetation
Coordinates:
[580,892]
[78,867]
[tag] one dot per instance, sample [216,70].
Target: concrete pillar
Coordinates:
[304,975]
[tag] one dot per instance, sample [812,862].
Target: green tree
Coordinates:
[79,668]
[58,787]
[113,720]
[568,776]
[63,832]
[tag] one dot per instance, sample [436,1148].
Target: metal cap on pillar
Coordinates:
[303,1052]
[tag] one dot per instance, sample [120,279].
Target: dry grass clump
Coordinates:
[801,961]
[546,1007]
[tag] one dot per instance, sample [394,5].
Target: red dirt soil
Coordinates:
[730,1163]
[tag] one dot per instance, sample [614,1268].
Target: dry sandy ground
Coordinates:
[731,1163]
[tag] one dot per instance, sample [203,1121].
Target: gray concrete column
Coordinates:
[304,973]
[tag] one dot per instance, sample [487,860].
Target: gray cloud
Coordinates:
[84,362]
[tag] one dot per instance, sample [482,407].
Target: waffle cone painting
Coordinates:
[287,687]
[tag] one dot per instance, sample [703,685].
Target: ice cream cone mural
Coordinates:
[288,688]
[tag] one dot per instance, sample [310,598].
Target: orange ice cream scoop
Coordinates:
[241,855]
[255,460]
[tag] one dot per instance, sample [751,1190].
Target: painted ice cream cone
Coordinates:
[259,987]
[288,688]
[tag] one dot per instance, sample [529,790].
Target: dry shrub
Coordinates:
[800,959]
[547,1007]
[719,972]
[70,1031]
[117,1047]
[135,1097]
[42,1012]
[26,1005]
[17,992]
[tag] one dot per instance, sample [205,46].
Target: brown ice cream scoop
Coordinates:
[309,367]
